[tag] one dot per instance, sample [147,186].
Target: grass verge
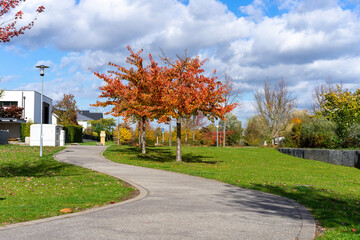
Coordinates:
[331,193]
[32,187]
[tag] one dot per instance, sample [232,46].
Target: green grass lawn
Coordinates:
[32,187]
[331,193]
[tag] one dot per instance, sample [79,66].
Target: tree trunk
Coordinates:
[143,149]
[170,133]
[139,133]
[224,133]
[186,135]
[194,134]
[178,140]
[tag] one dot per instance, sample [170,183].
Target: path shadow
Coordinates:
[42,167]
[328,210]
[162,155]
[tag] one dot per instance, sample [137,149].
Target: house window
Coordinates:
[8,104]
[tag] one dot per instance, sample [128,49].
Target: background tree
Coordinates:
[343,108]
[192,124]
[256,131]
[189,92]
[122,134]
[275,105]
[319,95]
[8,28]
[66,110]
[232,126]
[231,96]
[104,124]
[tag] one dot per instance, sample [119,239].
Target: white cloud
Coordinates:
[312,41]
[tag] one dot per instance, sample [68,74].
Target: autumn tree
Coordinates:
[133,92]
[122,135]
[275,105]
[66,110]
[189,92]
[9,28]
[342,107]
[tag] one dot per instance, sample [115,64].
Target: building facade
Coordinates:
[31,102]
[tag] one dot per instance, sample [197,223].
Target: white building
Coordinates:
[84,116]
[31,102]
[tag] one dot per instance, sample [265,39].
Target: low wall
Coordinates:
[4,137]
[350,158]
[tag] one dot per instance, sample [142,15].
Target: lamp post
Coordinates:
[42,73]
[217,135]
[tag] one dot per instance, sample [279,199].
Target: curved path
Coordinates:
[170,206]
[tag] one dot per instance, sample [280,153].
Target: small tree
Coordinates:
[275,105]
[8,29]
[66,110]
[133,92]
[189,92]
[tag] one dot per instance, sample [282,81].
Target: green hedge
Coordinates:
[73,133]
[25,130]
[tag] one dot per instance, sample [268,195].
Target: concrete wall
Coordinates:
[4,137]
[350,158]
[51,135]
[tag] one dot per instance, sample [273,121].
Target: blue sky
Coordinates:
[305,42]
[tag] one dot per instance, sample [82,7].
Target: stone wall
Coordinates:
[350,158]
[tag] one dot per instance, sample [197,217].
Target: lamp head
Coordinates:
[42,68]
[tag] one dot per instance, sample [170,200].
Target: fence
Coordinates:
[4,137]
[350,158]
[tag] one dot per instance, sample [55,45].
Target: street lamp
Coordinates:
[42,73]
[217,135]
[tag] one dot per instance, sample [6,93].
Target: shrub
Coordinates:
[318,133]
[25,130]
[352,139]
[73,133]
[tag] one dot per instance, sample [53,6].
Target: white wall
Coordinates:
[51,135]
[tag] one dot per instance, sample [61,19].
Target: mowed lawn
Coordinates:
[331,193]
[32,187]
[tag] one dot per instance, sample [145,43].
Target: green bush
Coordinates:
[318,133]
[73,133]
[25,130]
[352,138]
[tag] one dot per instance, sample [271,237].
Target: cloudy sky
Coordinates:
[305,42]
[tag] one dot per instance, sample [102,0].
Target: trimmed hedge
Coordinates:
[73,133]
[25,130]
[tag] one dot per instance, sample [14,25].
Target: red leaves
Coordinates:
[11,112]
[153,92]
[9,29]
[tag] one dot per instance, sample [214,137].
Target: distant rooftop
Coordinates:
[86,115]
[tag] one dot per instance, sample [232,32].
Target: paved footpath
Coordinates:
[170,206]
